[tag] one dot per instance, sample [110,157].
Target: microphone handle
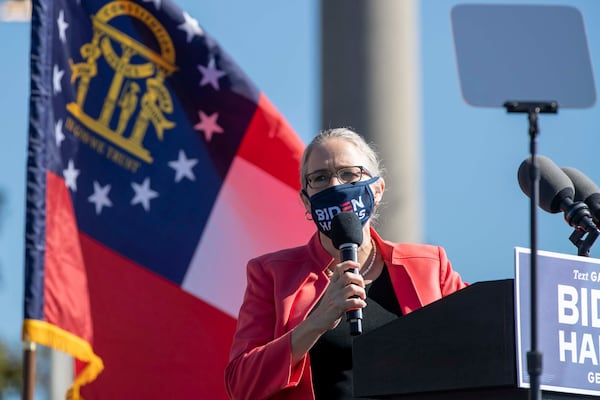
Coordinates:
[349,252]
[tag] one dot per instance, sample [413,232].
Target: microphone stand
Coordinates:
[583,245]
[533,109]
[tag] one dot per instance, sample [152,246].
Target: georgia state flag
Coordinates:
[156,170]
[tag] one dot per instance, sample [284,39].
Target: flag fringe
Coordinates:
[50,335]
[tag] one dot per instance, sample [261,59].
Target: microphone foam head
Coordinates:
[346,228]
[584,186]
[555,185]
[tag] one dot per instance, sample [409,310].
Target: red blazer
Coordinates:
[282,288]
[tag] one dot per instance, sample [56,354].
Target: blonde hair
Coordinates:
[373,164]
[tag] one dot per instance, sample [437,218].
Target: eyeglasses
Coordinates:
[321,178]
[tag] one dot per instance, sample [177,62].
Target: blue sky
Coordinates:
[473,205]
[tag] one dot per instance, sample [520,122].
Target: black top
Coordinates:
[331,356]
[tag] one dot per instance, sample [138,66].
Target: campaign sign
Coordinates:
[568,318]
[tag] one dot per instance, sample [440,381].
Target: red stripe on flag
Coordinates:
[156,341]
[66,302]
[271,144]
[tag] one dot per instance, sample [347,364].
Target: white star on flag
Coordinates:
[58,133]
[100,197]
[70,174]
[156,3]
[191,27]
[183,167]
[210,74]
[208,124]
[143,194]
[62,26]
[57,75]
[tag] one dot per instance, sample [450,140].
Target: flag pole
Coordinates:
[28,369]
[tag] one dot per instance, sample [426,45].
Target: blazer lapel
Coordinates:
[404,287]
[403,283]
[310,291]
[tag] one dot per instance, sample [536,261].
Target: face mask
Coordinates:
[356,197]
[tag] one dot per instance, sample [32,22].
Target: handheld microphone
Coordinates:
[586,191]
[347,235]
[556,193]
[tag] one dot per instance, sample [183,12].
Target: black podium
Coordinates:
[460,347]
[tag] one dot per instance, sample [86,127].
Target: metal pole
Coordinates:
[371,82]
[29,349]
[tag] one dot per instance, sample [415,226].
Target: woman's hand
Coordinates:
[345,292]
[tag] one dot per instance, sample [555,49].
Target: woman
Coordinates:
[292,340]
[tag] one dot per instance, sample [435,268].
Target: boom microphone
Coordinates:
[347,235]
[556,193]
[586,191]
